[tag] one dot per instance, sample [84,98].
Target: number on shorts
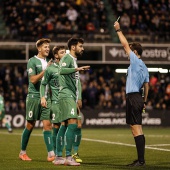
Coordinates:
[30,114]
[72,111]
[53,116]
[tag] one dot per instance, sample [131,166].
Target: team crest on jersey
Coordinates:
[64,64]
[30,70]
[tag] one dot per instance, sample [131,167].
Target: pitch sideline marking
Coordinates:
[107,142]
[160,145]
[124,144]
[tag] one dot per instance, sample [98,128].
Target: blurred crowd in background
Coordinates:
[101,88]
[148,17]
[33,19]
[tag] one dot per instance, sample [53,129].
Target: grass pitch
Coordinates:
[100,149]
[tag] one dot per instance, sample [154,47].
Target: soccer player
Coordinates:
[2,114]
[34,111]
[51,77]
[137,77]
[69,93]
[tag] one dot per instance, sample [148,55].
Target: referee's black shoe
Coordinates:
[136,163]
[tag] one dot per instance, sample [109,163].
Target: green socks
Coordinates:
[55,131]
[60,140]
[48,140]
[25,138]
[7,125]
[69,138]
[77,140]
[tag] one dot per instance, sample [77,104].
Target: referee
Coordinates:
[137,77]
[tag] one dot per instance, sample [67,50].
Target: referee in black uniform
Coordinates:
[137,77]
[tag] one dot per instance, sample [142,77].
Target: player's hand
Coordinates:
[79,124]
[0,112]
[79,103]
[83,68]
[144,107]
[50,62]
[43,102]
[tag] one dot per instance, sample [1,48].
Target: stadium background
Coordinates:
[146,21]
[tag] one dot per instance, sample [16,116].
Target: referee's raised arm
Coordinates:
[122,38]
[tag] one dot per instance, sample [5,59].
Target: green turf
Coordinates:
[101,149]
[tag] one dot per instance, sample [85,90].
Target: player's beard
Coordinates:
[79,54]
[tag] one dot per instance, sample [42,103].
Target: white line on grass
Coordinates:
[160,145]
[124,144]
[103,141]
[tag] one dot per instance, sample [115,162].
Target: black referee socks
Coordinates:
[140,146]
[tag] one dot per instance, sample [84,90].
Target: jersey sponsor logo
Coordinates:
[38,65]
[30,70]
[64,64]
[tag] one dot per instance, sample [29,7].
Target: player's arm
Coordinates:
[65,67]
[72,70]
[79,102]
[44,82]
[34,78]
[79,123]
[146,89]
[122,38]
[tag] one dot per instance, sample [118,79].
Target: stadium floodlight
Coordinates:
[153,69]
[120,70]
[161,70]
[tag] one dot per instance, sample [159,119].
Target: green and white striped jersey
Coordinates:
[35,66]
[51,78]
[69,79]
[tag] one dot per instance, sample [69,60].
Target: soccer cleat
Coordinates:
[59,161]
[50,159]
[136,163]
[77,158]
[24,157]
[71,162]
[10,130]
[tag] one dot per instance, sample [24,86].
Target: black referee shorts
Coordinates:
[134,107]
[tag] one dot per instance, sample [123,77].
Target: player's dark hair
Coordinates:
[42,41]
[74,41]
[57,48]
[136,46]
